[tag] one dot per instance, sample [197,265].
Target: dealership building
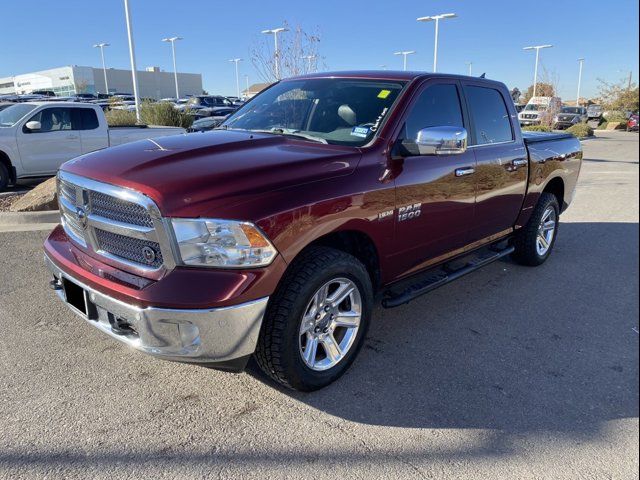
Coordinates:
[66,81]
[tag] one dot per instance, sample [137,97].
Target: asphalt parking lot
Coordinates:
[510,372]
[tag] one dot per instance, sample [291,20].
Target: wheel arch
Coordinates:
[556,187]
[6,161]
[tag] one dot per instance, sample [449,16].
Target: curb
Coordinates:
[30,218]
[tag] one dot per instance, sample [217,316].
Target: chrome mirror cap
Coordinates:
[442,140]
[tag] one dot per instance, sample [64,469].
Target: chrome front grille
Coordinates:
[120,226]
[119,210]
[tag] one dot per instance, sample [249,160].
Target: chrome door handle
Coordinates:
[520,162]
[461,172]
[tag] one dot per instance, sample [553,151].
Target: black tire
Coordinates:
[4,177]
[278,350]
[526,239]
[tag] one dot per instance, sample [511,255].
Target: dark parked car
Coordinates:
[208,105]
[273,235]
[570,116]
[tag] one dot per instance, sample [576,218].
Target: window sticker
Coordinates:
[361,132]
[384,93]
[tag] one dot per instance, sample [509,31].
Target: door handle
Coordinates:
[520,162]
[461,172]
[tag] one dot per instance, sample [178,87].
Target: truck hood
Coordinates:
[199,174]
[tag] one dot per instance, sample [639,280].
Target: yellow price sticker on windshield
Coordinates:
[384,93]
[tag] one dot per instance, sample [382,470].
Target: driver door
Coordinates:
[435,194]
[43,151]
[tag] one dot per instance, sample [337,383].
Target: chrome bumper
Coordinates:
[206,336]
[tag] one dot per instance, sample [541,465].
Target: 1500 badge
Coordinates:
[409,212]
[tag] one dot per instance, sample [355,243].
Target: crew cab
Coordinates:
[274,234]
[37,137]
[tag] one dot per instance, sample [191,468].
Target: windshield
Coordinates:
[10,116]
[327,110]
[574,110]
[534,107]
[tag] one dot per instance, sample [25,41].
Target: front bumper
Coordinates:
[222,337]
[526,122]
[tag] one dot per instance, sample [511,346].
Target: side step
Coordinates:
[443,277]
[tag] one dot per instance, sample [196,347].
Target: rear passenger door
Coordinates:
[501,160]
[91,135]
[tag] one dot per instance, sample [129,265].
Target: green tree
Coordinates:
[622,95]
[543,89]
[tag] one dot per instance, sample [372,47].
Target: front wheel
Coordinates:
[534,242]
[4,177]
[316,321]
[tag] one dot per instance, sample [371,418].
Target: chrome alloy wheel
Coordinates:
[330,324]
[546,231]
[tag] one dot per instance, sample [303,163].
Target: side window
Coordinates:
[53,119]
[437,106]
[491,120]
[88,119]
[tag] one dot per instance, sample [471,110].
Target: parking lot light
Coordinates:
[276,52]
[237,61]
[436,18]
[173,41]
[581,61]
[132,56]
[469,64]
[104,68]
[537,48]
[405,54]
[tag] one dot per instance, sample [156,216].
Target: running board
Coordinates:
[443,277]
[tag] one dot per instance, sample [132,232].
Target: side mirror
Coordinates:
[442,141]
[33,125]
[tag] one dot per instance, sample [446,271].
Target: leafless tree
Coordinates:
[294,47]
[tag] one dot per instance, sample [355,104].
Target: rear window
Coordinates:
[491,123]
[89,119]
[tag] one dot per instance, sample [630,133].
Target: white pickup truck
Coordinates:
[37,137]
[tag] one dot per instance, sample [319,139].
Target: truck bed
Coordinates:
[536,137]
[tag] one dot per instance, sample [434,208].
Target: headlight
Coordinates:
[222,243]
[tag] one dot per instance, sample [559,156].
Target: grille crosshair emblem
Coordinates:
[82,216]
[149,254]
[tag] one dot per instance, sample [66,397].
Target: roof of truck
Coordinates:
[385,75]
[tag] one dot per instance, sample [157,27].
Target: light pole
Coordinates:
[104,68]
[173,41]
[308,58]
[468,64]
[132,56]
[537,48]
[276,53]
[581,61]
[437,19]
[246,79]
[405,54]
[237,61]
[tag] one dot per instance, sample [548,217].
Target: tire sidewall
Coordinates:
[299,374]
[4,177]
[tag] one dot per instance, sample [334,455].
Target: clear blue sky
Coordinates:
[355,35]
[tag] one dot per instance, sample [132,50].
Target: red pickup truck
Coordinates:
[274,234]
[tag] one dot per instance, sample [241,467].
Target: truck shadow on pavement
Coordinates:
[509,347]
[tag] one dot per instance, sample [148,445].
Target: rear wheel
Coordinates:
[316,321]
[534,242]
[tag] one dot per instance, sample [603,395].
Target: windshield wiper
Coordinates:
[291,133]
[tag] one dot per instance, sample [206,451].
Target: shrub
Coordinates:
[580,130]
[120,118]
[537,128]
[603,125]
[162,114]
[616,116]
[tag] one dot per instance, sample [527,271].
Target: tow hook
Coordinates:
[55,284]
